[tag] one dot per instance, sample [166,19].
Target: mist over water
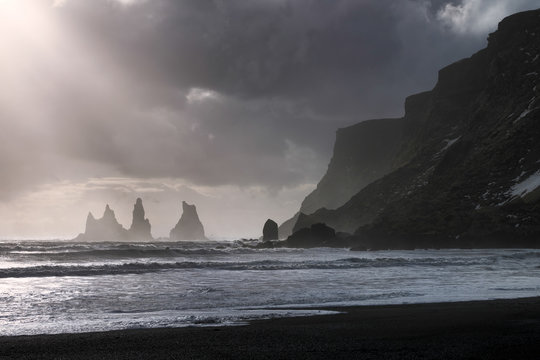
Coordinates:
[55,287]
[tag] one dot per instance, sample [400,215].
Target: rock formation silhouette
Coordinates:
[140,227]
[316,235]
[189,227]
[105,229]
[461,169]
[270,230]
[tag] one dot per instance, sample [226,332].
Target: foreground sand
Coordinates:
[500,329]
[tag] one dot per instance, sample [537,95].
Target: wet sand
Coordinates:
[498,329]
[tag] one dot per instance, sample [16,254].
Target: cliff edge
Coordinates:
[467,173]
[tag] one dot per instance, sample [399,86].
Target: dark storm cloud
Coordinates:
[229,92]
[312,49]
[330,52]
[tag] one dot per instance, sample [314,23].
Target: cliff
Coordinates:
[189,227]
[363,153]
[468,170]
[286,228]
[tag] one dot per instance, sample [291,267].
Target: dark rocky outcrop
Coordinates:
[140,226]
[189,227]
[270,230]
[317,235]
[105,229]
[467,172]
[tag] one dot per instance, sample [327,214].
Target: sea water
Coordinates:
[59,286]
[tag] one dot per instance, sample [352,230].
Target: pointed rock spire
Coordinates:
[189,227]
[140,226]
[90,223]
[90,218]
[108,213]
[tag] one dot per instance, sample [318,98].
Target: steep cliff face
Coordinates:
[469,174]
[363,153]
[189,227]
[286,228]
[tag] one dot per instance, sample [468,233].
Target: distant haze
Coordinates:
[228,104]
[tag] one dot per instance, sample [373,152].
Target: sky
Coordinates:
[229,104]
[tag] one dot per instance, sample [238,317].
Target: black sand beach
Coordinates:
[497,329]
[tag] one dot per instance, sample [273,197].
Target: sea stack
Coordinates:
[105,229]
[270,230]
[140,226]
[189,227]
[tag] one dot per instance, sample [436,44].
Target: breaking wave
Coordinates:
[263,265]
[61,259]
[77,251]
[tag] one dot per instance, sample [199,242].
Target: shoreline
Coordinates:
[484,329]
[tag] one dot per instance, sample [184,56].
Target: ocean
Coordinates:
[50,287]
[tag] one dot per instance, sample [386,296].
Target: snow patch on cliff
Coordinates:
[526,186]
